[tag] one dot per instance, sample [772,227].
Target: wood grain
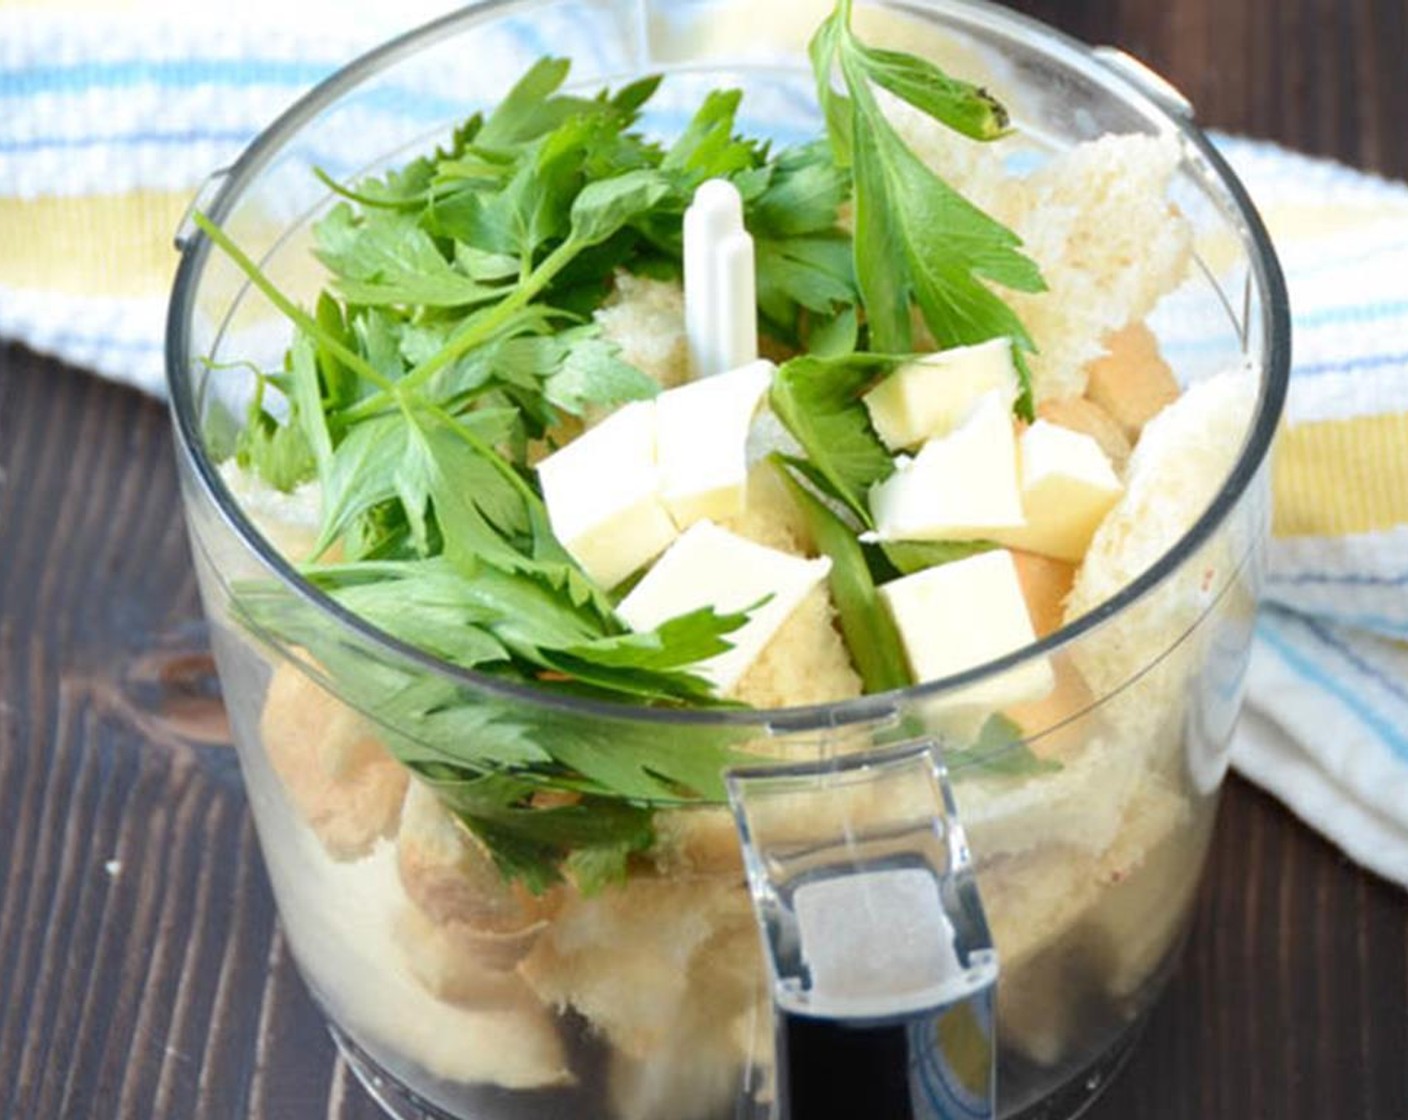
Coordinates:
[142,976]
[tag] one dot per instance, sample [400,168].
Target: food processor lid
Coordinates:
[883,970]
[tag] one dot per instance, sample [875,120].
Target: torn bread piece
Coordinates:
[622,957]
[645,318]
[719,1041]
[1131,381]
[452,880]
[339,776]
[1142,659]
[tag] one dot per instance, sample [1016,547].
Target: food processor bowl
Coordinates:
[455,994]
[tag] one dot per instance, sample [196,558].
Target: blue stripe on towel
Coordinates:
[1347,579]
[1304,666]
[1377,623]
[1369,361]
[240,136]
[184,73]
[1353,313]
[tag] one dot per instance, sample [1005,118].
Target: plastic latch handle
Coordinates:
[882,966]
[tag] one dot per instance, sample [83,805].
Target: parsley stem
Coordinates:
[301,318]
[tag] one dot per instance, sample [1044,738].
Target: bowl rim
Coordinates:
[1265,272]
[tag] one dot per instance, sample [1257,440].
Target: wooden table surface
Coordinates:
[142,974]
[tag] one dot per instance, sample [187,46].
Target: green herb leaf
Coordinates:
[604,207]
[384,257]
[999,749]
[589,371]
[870,633]
[819,401]
[707,148]
[915,237]
[277,453]
[962,106]
[909,557]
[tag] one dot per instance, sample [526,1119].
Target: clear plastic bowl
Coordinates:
[454,996]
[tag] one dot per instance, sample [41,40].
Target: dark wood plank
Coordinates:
[142,974]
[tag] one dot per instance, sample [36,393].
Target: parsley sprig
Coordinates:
[917,240]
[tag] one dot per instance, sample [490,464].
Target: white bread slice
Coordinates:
[452,879]
[623,957]
[1097,220]
[1181,460]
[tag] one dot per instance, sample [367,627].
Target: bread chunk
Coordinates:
[645,318]
[453,881]
[1131,381]
[1182,458]
[1045,584]
[623,957]
[1063,956]
[339,776]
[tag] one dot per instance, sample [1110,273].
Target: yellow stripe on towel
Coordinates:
[98,245]
[1334,477]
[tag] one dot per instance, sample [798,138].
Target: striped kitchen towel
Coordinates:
[1327,724]
[112,113]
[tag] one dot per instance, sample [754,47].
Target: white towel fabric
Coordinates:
[112,115]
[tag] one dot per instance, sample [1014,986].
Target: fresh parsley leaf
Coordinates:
[708,148]
[908,557]
[277,453]
[534,844]
[999,749]
[589,371]
[605,206]
[819,401]
[962,106]
[805,189]
[384,257]
[870,633]
[917,239]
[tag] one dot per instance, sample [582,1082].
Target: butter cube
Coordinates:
[1068,485]
[932,396]
[960,615]
[703,439]
[962,486]
[711,567]
[602,495]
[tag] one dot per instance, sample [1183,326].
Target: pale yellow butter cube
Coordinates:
[960,615]
[711,567]
[603,496]
[962,486]
[703,440]
[932,396]
[1068,485]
